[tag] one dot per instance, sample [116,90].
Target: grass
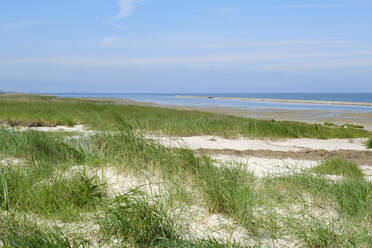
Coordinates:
[353,197]
[20,232]
[339,167]
[39,146]
[135,219]
[28,110]
[352,126]
[31,189]
[5,195]
[132,219]
[329,124]
[369,143]
[45,185]
[319,235]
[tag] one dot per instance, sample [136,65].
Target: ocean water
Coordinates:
[174,99]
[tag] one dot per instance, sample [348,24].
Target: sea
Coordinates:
[234,101]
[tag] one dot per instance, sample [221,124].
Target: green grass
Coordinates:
[5,196]
[352,126]
[369,143]
[340,167]
[132,219]
[353,197]
[329,124]
[31,189]
[29,110]
[20,232]
[319,235]
[44,185]
[39,146]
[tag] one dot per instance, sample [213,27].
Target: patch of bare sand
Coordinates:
[122,182]
[262,167]
[201,224]
[8,162]
[359,157]
[75,129]
[241,144]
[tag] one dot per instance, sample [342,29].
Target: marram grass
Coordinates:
[340,167]
[43,185]
[369,143]
[29,110]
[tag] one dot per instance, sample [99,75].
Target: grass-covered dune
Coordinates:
[54,183]
[34,110]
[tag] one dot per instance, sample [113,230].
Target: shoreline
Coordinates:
[307,116]
[321,102]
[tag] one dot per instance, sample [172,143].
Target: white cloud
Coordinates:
[108,41]
[126,8]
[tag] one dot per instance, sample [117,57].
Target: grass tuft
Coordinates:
[4,187]
[340,167]
[39,146]
[131,218]
[369,143]
[318,235]
[353,126]
[19,232]
[31,189]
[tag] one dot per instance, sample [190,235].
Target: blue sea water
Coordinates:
[174,99]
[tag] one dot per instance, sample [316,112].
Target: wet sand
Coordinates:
[283,100]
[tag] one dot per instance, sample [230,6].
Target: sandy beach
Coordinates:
[159,166]
[283,100]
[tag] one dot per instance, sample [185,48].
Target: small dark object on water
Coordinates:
[210,97]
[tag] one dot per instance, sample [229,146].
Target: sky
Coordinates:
[186,46]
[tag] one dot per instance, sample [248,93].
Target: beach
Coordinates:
[207,175]
[283,100]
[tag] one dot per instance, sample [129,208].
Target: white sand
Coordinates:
[262,167]
[241,144]
[76,128]
[120,182]
[367,171]
[9,162]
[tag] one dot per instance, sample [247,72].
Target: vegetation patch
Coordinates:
[329,124]
[269,210]
[39,146]
[132,219]
[51,111]
[20,232]
[31,189]
[353,126]
[369,143]
[340,167]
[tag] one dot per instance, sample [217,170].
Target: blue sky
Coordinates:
[186,46]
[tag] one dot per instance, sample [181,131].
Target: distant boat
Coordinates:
[210,97]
